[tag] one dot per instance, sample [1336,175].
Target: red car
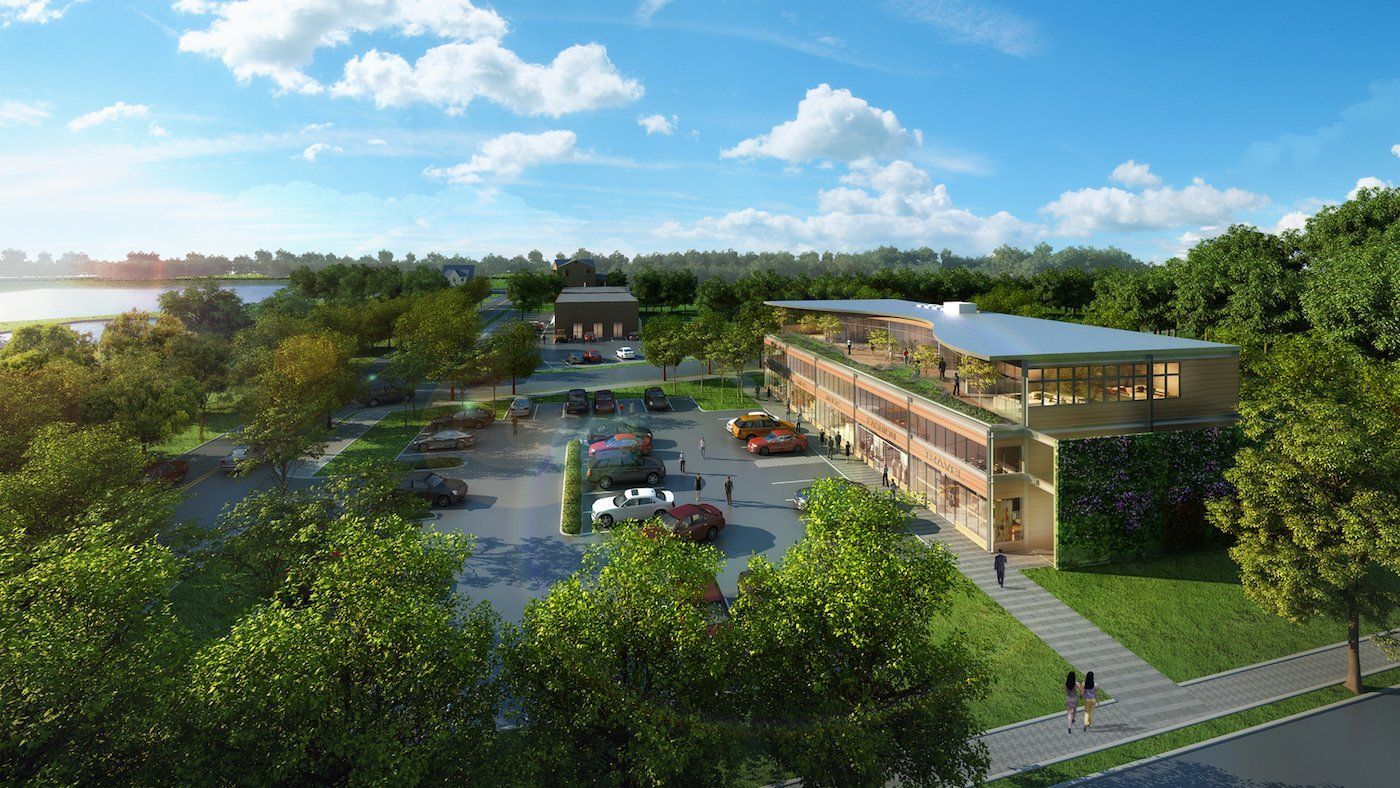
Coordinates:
[623,442]
[588,336]
[778,441]
[715,607]
[698,522]
[168,471]
[592,356]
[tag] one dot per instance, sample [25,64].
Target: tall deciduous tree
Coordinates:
[529,290]
[138,332]
[1133,300]
[664,343]
[206,309]
[1314,518]
[142,393]
[517,350]
[1353,295]
[439,331]
[1245,279]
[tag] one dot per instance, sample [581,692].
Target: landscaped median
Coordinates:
[571,512]
[387,438]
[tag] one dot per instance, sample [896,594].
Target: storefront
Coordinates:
[882,455]
[951,500]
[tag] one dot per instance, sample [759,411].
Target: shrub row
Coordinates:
[570,514]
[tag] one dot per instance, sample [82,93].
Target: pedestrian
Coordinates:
[1071,697]
[821,438]
[769,391]
[906,357]
[942,368]
[1091,699]
[729,492]
[848,450]
[957,382]
[848,347]
[699,483]
[621,408]
[514,424]
[702,448]
[1000,564]
[831,447]
[799,423]
[682,462]
[885,476]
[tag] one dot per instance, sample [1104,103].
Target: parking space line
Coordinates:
[794,481]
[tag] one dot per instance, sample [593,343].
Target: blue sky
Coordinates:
[446,125]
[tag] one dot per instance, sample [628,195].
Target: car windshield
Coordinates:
[669,520]
[432,480]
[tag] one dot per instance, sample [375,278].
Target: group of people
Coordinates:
[1075,693]
[700,480]
[833,445]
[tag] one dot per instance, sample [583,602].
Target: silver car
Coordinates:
[229,462]
[445,440]
[521,408]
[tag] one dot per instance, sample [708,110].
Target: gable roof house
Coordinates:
[458,274]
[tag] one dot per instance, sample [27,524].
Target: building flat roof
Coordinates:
[997,337]
[586,295]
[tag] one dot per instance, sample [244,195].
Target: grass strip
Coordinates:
[571,512]
[386,439]
[1192,734]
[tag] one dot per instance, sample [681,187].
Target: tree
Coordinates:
[881,339]
[648,703]
[1133,300]
[1070,289]
[529,290]
[616,278]
[841,687]
[678,288]
[138,332]
[977,372]
[34,346]
[206,309]
[477,289]
[205,359]
[706,337]
[926,357]
[517,350]
[439,332]
[280,430]
[1010,297]
[648,286]
[314,370]
[1316,489]
[138,392]
[34,398]
[1243,278]
[665,343]
[1353,295]
[1370,216]
[365,667]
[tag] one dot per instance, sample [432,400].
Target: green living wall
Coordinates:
[1134,496]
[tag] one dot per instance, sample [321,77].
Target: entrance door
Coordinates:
[598,331]
[617,331]
[1006,517]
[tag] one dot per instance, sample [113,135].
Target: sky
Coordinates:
[464,127]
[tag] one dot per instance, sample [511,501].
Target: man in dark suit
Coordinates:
[1000,564]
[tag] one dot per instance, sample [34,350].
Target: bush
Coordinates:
[570,514]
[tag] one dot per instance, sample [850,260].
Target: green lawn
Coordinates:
[222,417]
[386,439]
[1027,676]
[1185,614]
[1183,737]
[211,599]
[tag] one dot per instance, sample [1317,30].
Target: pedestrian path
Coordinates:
[351,424]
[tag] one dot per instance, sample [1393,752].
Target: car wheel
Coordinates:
[763,450]
[374,402]
[444,500]
[658,512]
[605,520]
[799,448]
[653,478]
[461,444]
[605,482]
[479,424]
[711,533]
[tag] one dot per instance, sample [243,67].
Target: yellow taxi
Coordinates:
[756,423]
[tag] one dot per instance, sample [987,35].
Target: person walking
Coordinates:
[1071,696]
[942,368]
[621,408]
[848,347]
[957,382]
[832,446]
[848,450]
[769,391]
[799,423]
[700,483]
[821,438]
[729,492]
[885,476]
[906,357]
[702,448]
[1000,564]
[682,462]
[1090,694]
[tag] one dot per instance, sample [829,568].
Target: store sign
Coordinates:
[877,426]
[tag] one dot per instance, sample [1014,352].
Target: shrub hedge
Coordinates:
[1136,496]
[571,513]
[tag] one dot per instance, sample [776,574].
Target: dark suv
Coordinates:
[655,399]
[603,402]
[472,416]
[624,467]
[577,402]
[383,392]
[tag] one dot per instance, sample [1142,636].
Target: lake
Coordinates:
[45,300]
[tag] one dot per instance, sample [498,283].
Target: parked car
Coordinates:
[521,408]
[655,399]
[756,423]
[603,401]
[633,336]
[229,462]
[383,392]
[776,442]
[606,471]
[623,442]
[800,498]
[538,325]
[698,522]
[441,490]
[576,402]
[638,503]
[715,607]
[591,356]
[589,337]
[607,429]
[444,440]
[573,358]
[168,471]
[478,418]
[626,354]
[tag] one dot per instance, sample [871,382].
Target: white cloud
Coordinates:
[658,124]
[34,11]
[1395,149]
[377,141]
[314,127]
[647,9]
[974,22]
[1085,211]
[157,130]
[877,204]
[1369,182]
[18,113]
[1133,175]
[121,109]
[278,38]
[831,124]
[317,148]
[1293,220]
[453,75]
[505,157]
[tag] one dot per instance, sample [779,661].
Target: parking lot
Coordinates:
[515,485]
[552,354]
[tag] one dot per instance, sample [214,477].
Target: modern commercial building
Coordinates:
[604,312]
[579,272]
[968,409]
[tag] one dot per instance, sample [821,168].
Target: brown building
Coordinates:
[604,312]
[580,272]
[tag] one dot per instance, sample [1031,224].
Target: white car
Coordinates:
[626,353]
[638,503]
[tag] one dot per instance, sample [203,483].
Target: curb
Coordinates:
[1266,663]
